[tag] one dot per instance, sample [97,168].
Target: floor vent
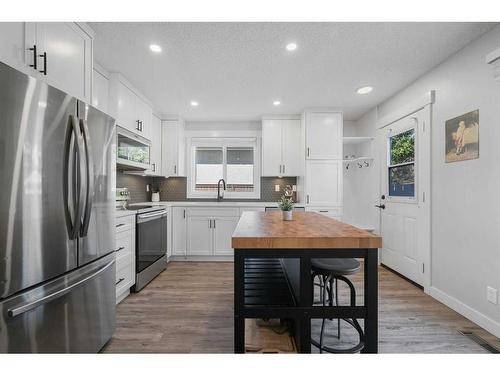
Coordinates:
[480,341]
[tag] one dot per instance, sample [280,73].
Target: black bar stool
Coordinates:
[330,271]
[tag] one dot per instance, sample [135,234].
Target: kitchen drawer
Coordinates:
[125,274]
[125,223]
[125,243]
[213,211]
[258,209]
[335,213]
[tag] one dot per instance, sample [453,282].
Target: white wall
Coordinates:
[465,195]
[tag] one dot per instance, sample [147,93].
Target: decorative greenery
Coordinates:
[403,147]
[285,204]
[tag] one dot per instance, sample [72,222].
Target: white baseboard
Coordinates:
[480,319]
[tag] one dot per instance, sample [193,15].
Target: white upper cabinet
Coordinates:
[323,132]
[12,46]
[61,54]
[144,114]
[155,150]
[100,89]
[271,148]
[324,183]
[173,148]
[126,104]
[281,151]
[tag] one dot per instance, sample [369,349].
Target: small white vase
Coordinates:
[287,215]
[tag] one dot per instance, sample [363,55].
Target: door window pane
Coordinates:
[402,181]
[209,168]
[240,169]
[403,147]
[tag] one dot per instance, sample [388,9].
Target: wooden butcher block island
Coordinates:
[273,278]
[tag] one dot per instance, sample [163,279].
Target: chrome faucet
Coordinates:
[219,196]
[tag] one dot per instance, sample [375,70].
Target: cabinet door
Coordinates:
[126,115]
[223,231]
[155,150]
[170,147]
[179,231]
[100,91]
[291,150]
[271,148]
[199,238]
[68,62]
[13,48]
[324,183]
[144,114]
[323,135]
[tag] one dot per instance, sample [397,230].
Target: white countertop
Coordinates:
[123,213]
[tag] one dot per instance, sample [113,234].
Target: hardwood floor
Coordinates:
[189,309]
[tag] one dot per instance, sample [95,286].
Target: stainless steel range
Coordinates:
[151,243]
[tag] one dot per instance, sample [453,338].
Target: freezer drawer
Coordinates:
[72,314]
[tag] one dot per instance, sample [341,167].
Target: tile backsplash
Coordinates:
[136,185]
[175,188]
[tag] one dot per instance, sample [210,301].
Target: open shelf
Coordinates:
[356,140]
[361,158]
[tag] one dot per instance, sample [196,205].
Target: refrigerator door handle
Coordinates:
[57,294]
[89,194]
[73,140]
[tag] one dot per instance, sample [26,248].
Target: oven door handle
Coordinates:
[146,217]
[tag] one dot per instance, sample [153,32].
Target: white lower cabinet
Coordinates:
[125,256]
[208,236]
[223,232]
[203,231]
[179,230]
[199,236]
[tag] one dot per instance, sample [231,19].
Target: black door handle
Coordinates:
[44,71]
[35,57]
[382,206]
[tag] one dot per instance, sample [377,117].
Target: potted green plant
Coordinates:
[286,206]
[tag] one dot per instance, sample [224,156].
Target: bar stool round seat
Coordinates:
[335,266]
[330,271]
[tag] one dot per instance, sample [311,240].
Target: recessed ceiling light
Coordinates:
[291,46]
[155,48]
[276,103]
[364,90]
[194,103]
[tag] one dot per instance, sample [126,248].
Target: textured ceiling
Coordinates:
[236,70]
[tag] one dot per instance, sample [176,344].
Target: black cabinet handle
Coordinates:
[141,127]
[119,225]
[138,127]
[44,71]
[119,281]
[382,206]
[154,167]
[35,57]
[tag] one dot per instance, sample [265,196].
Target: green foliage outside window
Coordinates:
[403,147]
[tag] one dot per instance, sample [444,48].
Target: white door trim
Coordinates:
[424,163]
[412,107]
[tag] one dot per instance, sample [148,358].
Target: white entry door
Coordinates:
[402,203]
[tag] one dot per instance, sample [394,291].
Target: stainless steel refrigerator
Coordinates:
[57,214]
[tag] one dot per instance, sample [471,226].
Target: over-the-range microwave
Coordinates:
[132,151]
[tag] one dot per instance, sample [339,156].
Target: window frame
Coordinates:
[224,143]
[392,133]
